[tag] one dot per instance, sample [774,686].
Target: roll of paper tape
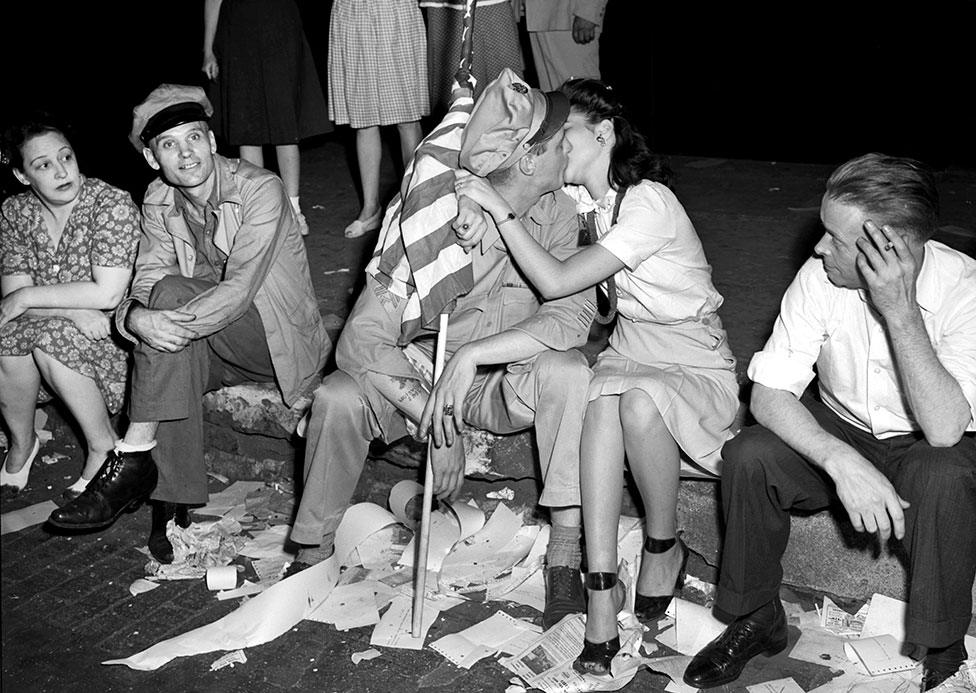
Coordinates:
[222,577]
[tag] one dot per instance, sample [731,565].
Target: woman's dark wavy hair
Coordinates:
[631,160]
[16,133]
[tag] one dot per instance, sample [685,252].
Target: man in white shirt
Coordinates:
[888,317]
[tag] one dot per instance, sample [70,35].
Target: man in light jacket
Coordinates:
[565,38]
[222,295]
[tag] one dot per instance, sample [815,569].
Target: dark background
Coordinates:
[813,82]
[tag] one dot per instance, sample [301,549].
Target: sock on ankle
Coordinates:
[564,546]
[122,446]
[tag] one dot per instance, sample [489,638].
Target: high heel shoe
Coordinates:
[650,608]
[596,656]
[162,512]
[18,480]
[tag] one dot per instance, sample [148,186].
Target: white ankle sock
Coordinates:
[122,446]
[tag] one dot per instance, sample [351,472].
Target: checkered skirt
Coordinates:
[377,63]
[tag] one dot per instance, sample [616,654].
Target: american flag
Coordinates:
[416,256]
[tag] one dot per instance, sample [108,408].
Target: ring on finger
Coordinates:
[889,245]
[448,410]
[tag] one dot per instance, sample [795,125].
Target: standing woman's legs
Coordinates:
[252,154]
[290,168]
[601,491]
[369,152]
[410,136]
[84,400]
[655,462]
[19,383]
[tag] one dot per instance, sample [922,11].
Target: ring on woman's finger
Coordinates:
[448,410]
[889,245]
[465,226]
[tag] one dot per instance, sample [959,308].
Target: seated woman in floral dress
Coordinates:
[67,248]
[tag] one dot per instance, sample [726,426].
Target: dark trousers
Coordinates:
[169,388]
[763,479]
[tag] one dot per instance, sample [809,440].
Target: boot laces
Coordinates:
[108,473]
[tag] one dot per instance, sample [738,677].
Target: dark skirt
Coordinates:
[268,89]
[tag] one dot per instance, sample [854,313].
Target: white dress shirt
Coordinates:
[839,331]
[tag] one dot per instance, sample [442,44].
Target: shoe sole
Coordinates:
[770,651]
[132,506]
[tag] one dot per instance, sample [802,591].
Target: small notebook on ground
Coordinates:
[879,654]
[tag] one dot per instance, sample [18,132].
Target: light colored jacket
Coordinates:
[557,15]
[266,265]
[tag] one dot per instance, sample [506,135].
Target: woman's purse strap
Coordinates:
[588,222]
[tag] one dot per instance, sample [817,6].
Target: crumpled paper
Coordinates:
[200,546]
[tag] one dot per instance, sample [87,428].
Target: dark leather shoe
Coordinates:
[941,663]
[162,512]
[724,658]
[122,483]
[564,594]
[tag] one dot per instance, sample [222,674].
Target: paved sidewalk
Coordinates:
[65,600]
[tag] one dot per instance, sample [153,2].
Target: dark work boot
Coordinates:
[162,512]
[122,483]
[564,594]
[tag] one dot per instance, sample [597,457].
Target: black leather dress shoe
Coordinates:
[123,482]
[724,658]
[941,663]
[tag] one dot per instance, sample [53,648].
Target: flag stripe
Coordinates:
[416,255]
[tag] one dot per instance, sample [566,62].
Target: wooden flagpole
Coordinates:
[420,576]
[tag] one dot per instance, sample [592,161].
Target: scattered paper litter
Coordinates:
[200,546]
[365,655]
[358,523]
[787,685]
[839,621]
[231,497]
[693,627]
[547,662]
[270,570]
[394,629]
[229,660]
[885,615]
[500,632]
[879,654]
[53,458]
[141,586]
[349,606]
[502,494]
[268,543]
[256,621]
[16,520]
[247,589]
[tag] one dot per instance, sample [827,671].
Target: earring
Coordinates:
[602,140]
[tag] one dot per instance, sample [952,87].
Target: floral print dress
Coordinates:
[103,230]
